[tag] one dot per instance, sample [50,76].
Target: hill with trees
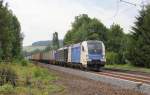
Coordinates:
[42,43]
[40,46]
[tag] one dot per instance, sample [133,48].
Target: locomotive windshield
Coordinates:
[94,47]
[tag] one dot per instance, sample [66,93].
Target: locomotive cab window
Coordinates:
[94,48]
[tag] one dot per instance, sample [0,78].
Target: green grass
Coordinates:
[128,67]
[32,80]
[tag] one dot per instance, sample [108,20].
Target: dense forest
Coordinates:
[10,36]
[121,48]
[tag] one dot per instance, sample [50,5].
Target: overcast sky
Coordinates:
[40,18]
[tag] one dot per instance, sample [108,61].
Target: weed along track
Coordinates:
[109,80]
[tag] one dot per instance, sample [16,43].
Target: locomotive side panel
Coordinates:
[75,54]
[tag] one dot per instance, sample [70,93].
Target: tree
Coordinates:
[85,28]
[115,38]
[140,47]
[78,32]
[10,36]
[5,18]
[17,38]
[55,40]
[117,43]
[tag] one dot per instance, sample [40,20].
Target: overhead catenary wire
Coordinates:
[142,5]
[135,5]
[115,12]
[128,2]
[117,9]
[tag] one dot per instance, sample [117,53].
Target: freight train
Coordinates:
[86,55]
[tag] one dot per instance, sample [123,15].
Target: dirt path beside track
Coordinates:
[75,85]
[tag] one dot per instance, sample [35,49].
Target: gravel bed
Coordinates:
[77,85]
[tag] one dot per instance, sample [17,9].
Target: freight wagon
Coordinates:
[48,57]
[61,56]
[36,57]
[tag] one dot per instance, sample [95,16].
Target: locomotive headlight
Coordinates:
[103,56]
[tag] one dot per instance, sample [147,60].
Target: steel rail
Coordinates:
[126,77]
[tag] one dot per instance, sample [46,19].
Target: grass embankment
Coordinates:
[128,67]
[30,80]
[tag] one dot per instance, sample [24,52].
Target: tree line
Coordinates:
[121,48]
[10,35]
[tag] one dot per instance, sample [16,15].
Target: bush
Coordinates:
[112,58]
[24,62]
[7,88]
[7,75]
[39,72]
[1,53]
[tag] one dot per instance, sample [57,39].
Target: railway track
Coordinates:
[126,76]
